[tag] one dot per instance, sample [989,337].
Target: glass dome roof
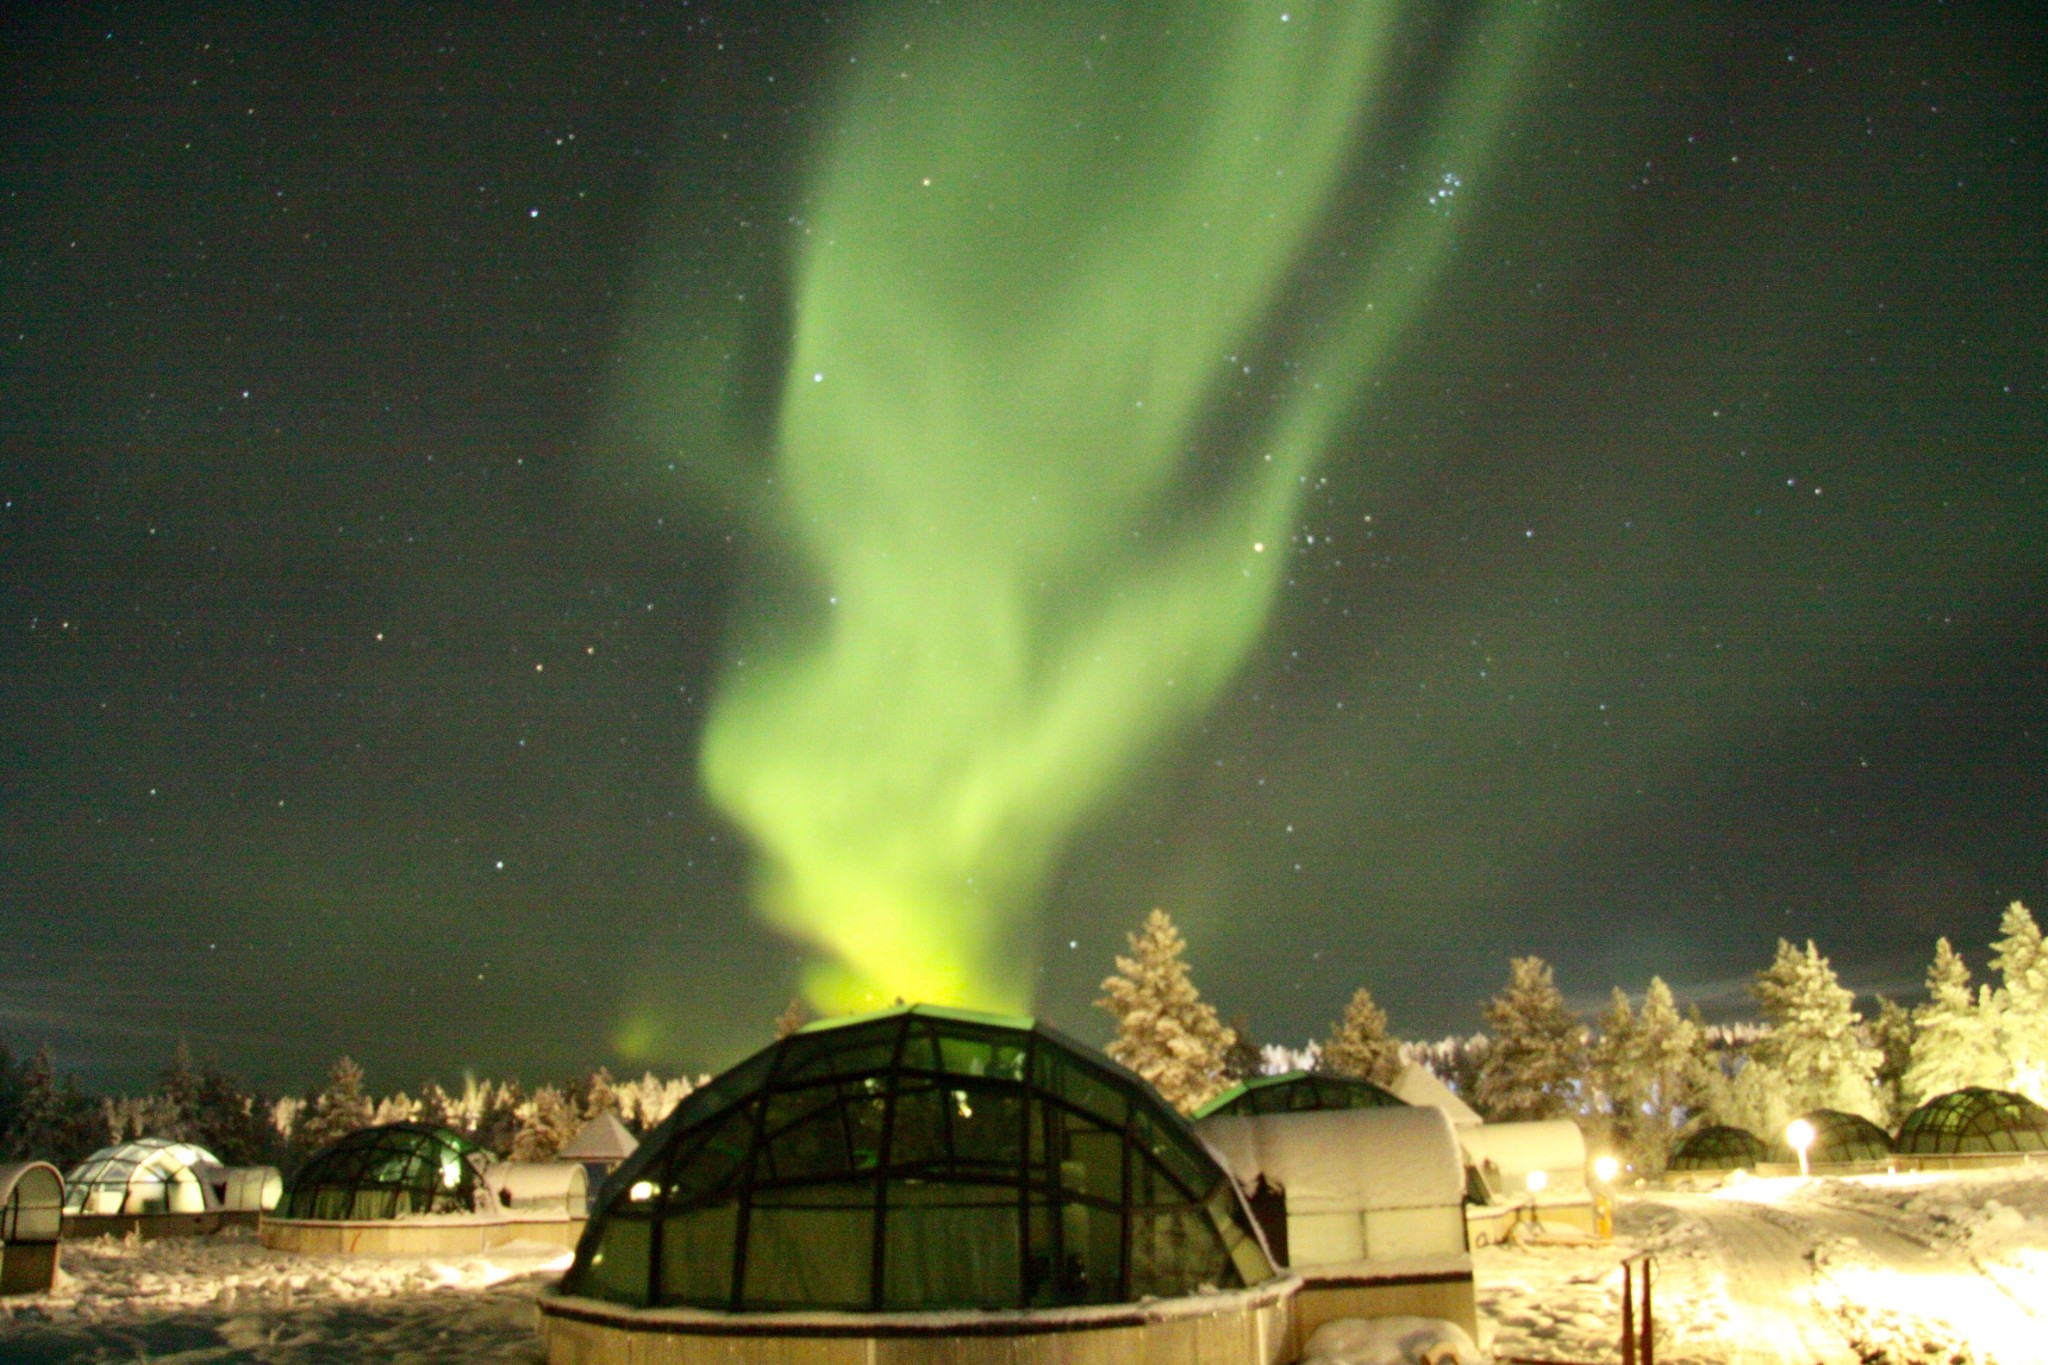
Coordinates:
[145,1176]
[1299,1090]
[1975,1119]
[919,1158]
[397,1170]
[1838,1137]
[1719,1147]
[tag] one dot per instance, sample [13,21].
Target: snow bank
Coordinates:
[1391,1341]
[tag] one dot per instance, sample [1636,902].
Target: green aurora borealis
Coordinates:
[1016,454]
[530,533]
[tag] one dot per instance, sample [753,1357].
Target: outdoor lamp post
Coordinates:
[1799,1135]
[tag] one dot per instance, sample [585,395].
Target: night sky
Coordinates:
[402,421]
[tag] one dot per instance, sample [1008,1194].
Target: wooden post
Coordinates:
[1649,1323]
[1628,1313]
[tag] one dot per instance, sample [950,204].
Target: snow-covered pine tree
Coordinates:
[546,1123]
[1165,1032]
[2022,961]
[433,1105]
[1892,1034]
[230,1121]
[794,1017]
[1955,1034]
[340,1109]
[1359,1044]
[1757,1100]
[54,1121]
[1649,1065]
[176,1115]
[1537,1053]
[1814,1044]
[1244,1058]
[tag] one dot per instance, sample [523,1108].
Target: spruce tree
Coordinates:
[2022,962]
[342,1108]
[1892,1033]
[55,1123]
[1243,1060]
[1649,1068]
[1814,1045]
[793,1017]
[1165,1032]
[1955,1036]
[546,1123]
[1359,1045]
[1537,1056]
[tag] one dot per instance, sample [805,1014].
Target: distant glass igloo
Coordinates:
[144,1177]
[918,1159]
[1719,1147]
[1972,1120]
[396,1170]
[1838,1137]
[1300,1091]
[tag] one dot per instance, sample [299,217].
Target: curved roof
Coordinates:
[1838,1137]
[31,1202]
[1719,1147]
[145,1176]
[1296,1091]
[1975,1119]
[919,1158]
[396,1170]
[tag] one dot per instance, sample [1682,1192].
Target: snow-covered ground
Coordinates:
[1875,1270]
[1871,1270]
[229,1299]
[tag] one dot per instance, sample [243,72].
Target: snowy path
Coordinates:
[1809,1281]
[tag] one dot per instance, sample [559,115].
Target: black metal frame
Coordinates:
[927,1110]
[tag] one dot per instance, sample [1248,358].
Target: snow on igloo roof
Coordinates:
[145,1175]
[1975,1119]
[918,1159]
[1296,1091]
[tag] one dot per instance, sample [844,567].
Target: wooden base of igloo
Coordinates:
[1243,1327]
[412,1236]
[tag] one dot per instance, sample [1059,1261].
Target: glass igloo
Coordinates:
[396,1170]
[915,1159]
[1975,1119]
[1297,1091]
[1838,1137]
[144,1177]
[1719,1147]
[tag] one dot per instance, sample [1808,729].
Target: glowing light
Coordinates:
[641,1191]
[1537,1181]
[1605,1168]
[1799,1136]
[1011,486]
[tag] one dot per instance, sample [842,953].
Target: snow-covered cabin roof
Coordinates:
[1555,1147]
[604,1138]
[1344,1160]
[146,1176]
[1417,1084]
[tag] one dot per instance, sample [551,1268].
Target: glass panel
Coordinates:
[987,1124]
[1175,1253]
[1190,1168]
[1059,1075]
[697,1249]
[807,1135]
[813,1254]
[920,1135]
[617,1269]
[1094,1161]
[951,1246]
[715,1161]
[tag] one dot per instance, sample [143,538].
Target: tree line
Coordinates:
[1643,1074]
[47,1117]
